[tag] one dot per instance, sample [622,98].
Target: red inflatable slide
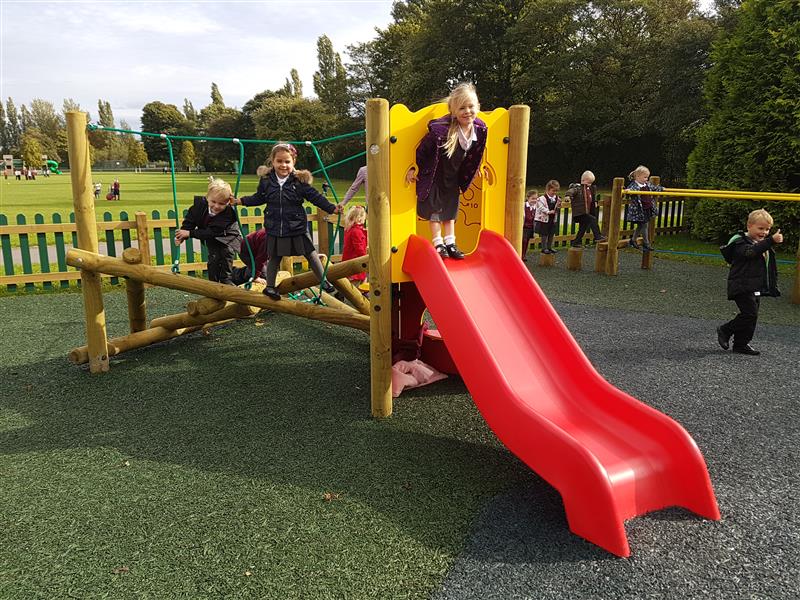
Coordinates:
[610,456]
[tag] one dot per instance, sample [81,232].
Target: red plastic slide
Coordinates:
[610,456]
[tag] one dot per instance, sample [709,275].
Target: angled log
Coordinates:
[92,262]
[335,271]
[351,292]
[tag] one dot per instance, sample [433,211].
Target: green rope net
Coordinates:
[168,138]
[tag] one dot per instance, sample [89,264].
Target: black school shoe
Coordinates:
[327,286]
[746,349]
[272,293]
[454,252]
[632,244]
[723,338]
[442,250]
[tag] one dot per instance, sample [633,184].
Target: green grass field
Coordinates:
[138,191]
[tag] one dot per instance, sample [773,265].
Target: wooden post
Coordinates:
[143,236]
[796,290]
[380,280]
[518,126]
[137,309]
[606,206]
[614,216]
[85,222]
[323,239]
[647,257]
[574,259]
[547,260]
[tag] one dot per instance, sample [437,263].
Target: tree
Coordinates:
[3,129]
[750,140]
[330,81]
[105,115]
[229,123]
[158,117]
[31,150]
[188,157]
[25,119]
[137,156]
[13,130]
[216,97]
[189,112]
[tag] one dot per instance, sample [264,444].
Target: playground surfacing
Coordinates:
[232,440]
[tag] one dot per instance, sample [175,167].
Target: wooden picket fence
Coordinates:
[669,221]
[39,256]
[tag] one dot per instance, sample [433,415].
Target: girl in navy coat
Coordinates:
[641,208]
[448,158]
[283,190]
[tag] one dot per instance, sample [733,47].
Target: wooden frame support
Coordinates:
[380,282]
[85,221]
[137,308]
[112,266]
[335,271]
[614,217]
[519,117]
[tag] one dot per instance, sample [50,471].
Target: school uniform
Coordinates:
[221,235]
[753,274]
[544,222]
[583,200]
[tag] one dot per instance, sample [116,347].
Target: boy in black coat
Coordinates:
[212,221]
[753,274]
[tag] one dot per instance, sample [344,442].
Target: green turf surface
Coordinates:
[138,191]
[199,468]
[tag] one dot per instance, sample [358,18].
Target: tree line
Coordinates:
[712,99]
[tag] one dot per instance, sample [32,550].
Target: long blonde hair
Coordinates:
[640,170]
[356,215]
[460,94]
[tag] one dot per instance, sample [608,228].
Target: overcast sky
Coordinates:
[131,53]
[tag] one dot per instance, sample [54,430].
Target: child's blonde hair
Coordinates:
[640,170]
[460,94]
[588,175]
[532,193]
[760,215]
[219,187]
[356,215]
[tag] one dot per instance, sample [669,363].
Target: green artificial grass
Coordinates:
[138,191]
[242,464]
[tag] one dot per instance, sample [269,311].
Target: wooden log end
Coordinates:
[132,256]
[574,259]
[547,260]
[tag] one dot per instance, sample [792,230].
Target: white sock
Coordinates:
[449,239]
[437,241]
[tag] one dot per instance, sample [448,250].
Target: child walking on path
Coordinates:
[283,190]
[355,238]
[212,221]
[583,199]
[448,158]
[753,274]
[527,225]
[641,208]
[544,218]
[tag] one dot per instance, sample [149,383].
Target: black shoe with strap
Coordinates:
[327,286]
[746,349]
[454,252]
[272,293]
[632,243]
[442,250]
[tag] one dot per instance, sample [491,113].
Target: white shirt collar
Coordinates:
[281,180]
[464,141]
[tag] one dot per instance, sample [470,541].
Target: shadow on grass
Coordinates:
[290,407]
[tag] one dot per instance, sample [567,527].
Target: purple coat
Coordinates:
[431,148]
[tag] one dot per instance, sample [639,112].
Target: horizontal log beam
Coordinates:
[113,266]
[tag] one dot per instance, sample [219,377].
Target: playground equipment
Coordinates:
[53,165]
[610,456]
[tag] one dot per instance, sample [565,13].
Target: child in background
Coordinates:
[448,158]
[527,225]
[257,241]
[641,208]
[358,182]
[283,190]
[355,238]
[583,199]
[544,218]
[98,187]
[753,274]
[212,221]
